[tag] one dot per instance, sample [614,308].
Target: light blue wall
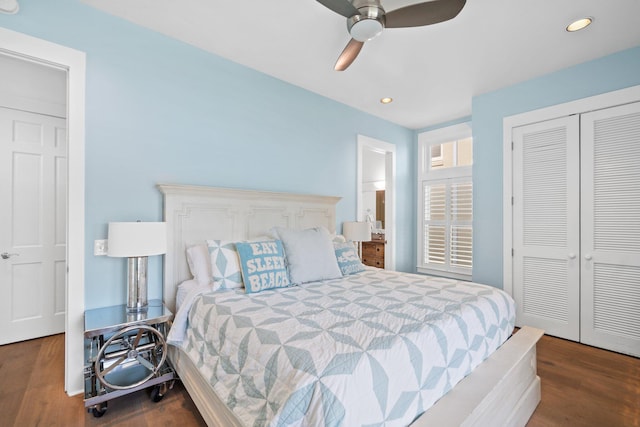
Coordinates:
[603,75]
[195,118]
[158,110]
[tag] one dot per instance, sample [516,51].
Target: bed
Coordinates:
[491,381]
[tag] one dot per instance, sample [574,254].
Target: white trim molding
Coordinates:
[74,62]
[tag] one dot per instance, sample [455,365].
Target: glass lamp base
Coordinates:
[137,285]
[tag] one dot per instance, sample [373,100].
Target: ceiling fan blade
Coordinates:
[348,55]
[341,7]
[421,14]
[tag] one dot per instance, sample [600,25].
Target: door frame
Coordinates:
[74,63]
[389,150]
[596,102]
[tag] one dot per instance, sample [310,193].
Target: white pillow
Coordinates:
[183,290]
[199,265]
[272,233]
[310,254]
[338,238]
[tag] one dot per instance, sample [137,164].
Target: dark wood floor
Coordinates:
[581,386]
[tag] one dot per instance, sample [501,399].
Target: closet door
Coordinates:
[546,229]
[611,228]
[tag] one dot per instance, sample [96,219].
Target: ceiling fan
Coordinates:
[366,19]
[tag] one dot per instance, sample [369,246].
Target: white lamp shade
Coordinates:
[137,239]
[9,6]
[357,231]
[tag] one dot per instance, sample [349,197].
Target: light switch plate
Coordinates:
[100,247]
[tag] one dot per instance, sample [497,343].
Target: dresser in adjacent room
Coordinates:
[373,251]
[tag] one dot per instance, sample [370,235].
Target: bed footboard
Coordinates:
[504,390]
[212,410]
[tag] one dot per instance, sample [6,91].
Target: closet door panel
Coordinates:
[610,169]
[546,229]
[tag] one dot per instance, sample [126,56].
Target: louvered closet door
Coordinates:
[611,229]
[546,229]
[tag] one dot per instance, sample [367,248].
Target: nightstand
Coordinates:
[125,352]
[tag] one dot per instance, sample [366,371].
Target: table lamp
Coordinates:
[357,231]
[137,241]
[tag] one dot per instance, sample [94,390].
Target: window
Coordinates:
[436,156]
[451,154]
[446,202]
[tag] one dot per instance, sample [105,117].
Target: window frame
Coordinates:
[450,175]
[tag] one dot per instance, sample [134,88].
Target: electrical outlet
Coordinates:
[100,247]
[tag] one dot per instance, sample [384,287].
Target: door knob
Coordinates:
[572,256]
[6,255]
[587,257]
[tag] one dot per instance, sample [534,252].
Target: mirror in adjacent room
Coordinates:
[373,189]
[373,206]
[376,167]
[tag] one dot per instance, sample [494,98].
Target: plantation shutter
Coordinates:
[448,217]
[461,220]
[435,227]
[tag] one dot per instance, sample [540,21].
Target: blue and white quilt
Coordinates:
[371,349]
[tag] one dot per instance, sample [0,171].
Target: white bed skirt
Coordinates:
[502,391]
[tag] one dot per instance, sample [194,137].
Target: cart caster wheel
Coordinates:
[156,395]
[99,410]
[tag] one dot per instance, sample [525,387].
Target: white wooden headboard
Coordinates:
[194,214]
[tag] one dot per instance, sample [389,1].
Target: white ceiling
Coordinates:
[431,72]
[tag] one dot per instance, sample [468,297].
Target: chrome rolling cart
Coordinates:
[125,352]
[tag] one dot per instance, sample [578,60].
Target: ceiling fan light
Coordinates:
[366,25]
[366,29]
[579,24]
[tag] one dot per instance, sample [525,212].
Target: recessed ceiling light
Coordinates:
[386,100]
[579,24]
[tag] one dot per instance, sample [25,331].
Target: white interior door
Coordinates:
[33,203]
[546,229]
[611,228]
